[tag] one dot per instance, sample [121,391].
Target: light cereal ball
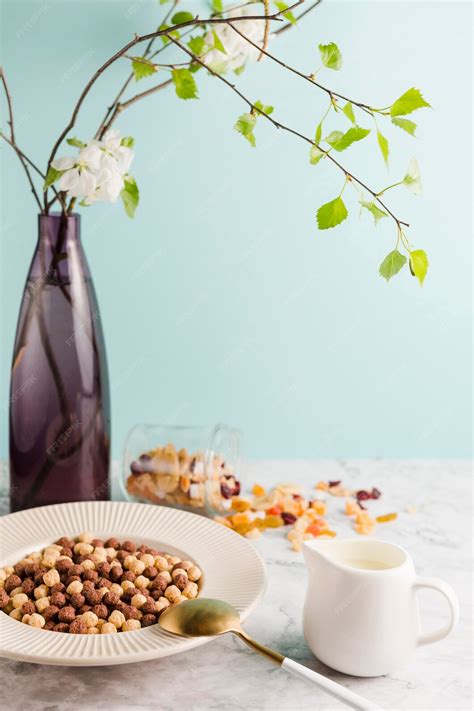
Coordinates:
[111,552]
[41,591]
[103,590]
[16,591]
[35,556]
[148,559]
[48,561]
[162,603]
[126,585]
[93,630]
[100,622]
[116,588]
[130,625]
[9,570]
[100,551]
[83,548]
[19,600]
[166,575]
[42,604]
[108,628]
[85,537]
[2,584]
[74,587]
[3,575]
[90,618]
[25,619]
[172,593]
[88,564]
[172,560]
[138,600]
[51,578]
[52,551]
[117,618]
[137,567]
[178,571]
[141,582]
[36,620]
[161,563]
[115,562]
[128,561]
[182,598]
[190,590]
[194,573]
[16,614]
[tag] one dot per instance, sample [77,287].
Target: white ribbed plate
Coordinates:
[232,571]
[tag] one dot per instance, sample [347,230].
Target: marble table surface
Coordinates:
[225,675]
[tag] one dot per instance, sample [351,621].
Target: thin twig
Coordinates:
[266,31]
[13,141]
[283,127]
[101,130]
[365,107]
[289,25]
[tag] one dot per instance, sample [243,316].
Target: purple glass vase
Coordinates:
[59,398]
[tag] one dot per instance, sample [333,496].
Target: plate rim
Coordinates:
[96,659]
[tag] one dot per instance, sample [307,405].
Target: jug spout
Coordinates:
[316,551]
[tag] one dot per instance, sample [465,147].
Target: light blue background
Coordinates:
[221,300]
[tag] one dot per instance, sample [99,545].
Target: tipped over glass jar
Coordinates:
[191,468]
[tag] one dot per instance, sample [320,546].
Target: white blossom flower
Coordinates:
[98,173]
[412,178]
[80,174]
[238,50]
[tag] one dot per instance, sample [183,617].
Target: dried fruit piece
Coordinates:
[386,517]
[376,493]
[319,507]
[328,532]
[288,518]
[258,490]
[241,505]
[274,511]
[363,495]
[273,521]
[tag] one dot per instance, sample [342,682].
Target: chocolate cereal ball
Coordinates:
[12,582]
[77,600]
[148,620]
[101,611]
[50,612]
[4,599]
[61,627]
[58,599]
[78,626]
[67,614]
[28,608]
[28,585]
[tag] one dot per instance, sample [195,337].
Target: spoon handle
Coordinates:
[331,687]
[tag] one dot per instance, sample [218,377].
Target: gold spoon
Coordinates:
[204,617]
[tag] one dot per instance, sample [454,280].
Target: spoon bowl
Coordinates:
[201,617]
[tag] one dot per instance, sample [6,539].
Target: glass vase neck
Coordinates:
[57,228]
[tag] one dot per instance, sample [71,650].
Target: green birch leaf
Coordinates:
[52,176]
[391,265]
[330,56]
[315,155]
[331,214]
[217,43]
[142,68]
[262,109]
[408,126]
[239,70]
[349,112]
[408,102]
[383,145]
[419,264]
[76,143]
[184,84]
[287,15]
[217,6]
[245,125]
[130,195]
[181,17]
[196,45]
[340,141]
[376,212]
[173,33]
[319,132]
[127,141]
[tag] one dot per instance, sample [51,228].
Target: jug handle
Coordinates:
[451,597]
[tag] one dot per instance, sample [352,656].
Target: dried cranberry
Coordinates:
[362,495]
[297,497]
[237,488]
[226,491]
[288,518]
[376,494]
[136,468]
[334,483]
